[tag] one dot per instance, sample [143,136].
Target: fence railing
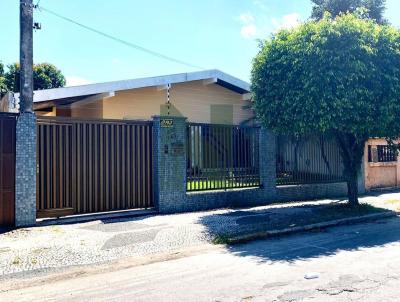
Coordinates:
[381,154]
[222,157]
[313,159]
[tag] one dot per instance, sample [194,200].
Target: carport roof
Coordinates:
[217,76]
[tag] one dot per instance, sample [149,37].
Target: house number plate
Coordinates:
[167,123]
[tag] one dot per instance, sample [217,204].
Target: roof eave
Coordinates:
[224,80]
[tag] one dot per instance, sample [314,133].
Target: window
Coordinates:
[381,154]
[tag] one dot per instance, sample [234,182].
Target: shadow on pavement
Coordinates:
[301,245]
[4,230]
[328,242]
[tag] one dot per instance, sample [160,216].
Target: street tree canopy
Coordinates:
[374,9]
[45,76]
[339,77]
[3,86]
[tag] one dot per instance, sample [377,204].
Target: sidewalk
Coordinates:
[34,250]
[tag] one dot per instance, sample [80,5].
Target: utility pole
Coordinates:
[25,142]
[26,56]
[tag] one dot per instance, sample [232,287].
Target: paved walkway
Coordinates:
[33,250]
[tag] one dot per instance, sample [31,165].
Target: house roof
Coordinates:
[219,78]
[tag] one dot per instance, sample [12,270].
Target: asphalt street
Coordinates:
[347,263]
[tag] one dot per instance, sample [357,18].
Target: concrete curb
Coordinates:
[321,225]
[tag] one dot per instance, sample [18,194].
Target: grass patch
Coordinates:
[344,211]
[220,239]
[198,185]
[300,216]
[328,213]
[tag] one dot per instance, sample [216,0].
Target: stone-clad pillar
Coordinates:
[25,170]
[169,163]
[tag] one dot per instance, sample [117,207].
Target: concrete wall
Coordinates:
[380,174]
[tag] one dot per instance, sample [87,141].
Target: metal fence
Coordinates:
[314,159]
[382,154]
[222,157]
[93,166]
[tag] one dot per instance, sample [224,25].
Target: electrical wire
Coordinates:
[126,43]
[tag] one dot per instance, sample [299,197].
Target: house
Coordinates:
[206,97]
[173,143]
[98,145]
[381,165]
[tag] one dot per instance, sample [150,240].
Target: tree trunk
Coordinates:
[352,188]
[352,151]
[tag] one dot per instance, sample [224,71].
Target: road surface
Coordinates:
[347,263]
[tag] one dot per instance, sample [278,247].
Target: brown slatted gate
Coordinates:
[7,169]
[93,166]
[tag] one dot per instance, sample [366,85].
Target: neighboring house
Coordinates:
[381,164]
[206,96]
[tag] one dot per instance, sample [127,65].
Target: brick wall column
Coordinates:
[169,163]
[25,170]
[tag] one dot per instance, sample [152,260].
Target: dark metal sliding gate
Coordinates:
[93,166]
[7,169]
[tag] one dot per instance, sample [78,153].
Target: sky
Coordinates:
[221,34]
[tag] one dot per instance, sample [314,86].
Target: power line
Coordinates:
[127,43]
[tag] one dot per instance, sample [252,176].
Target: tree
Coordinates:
[374,9]
[339,77]
[3,86]
[12,77]
[45,76]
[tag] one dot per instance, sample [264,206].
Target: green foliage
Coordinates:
[374,9]
[3,86]
[12,77]
[339,76]
[45,76]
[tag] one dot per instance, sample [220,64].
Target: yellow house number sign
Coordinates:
[167,123]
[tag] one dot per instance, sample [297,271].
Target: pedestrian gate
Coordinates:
[93,166]
[7,169]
